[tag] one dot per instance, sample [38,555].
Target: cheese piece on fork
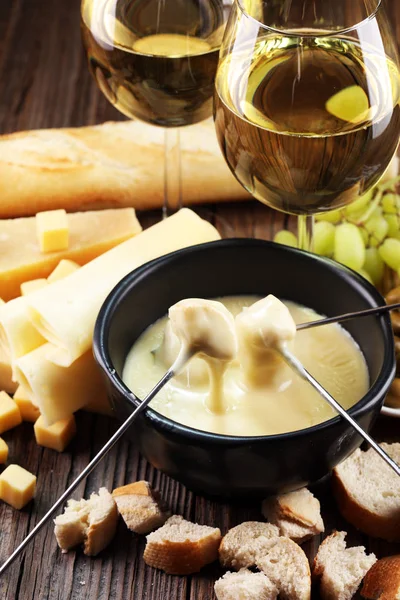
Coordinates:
[65,313]
[57,391]
[90,235]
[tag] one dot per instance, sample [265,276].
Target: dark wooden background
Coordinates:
[44,82]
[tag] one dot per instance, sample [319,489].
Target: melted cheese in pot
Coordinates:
[260,397]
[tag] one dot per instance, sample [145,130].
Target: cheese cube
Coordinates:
[52,230]
[9,413]
[56,436]
[64,268]
[31,286]
[29,412]
[3,452]
[17,486]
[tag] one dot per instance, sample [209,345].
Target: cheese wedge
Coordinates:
[65,312]
[58,392]
[90,234]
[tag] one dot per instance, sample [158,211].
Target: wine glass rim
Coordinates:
[314,33]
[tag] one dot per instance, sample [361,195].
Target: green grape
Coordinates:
[360,204]
[364,235]
[374,265]
[332,216]
[324,238]
[391,204]
[287,238]
[349,246]
[393,222]
[390,253]
[377,227]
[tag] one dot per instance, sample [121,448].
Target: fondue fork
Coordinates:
[298,367]
[347,316]
[175,369]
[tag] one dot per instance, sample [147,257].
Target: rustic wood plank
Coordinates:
[44,82]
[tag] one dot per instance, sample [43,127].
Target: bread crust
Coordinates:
[117,164]
[140,507]
[382,582]
[363,519]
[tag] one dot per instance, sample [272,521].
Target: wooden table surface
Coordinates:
[44,82]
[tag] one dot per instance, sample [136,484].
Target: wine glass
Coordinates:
[156,60]
[307,102]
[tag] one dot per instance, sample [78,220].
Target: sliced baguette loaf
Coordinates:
[140,507]
[382,582]
[243,544]
[296,514]
[181,547]
[90,522]
[245,585]
[368,492]
[340,569]
[286,565]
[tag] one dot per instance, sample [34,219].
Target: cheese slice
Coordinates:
[56,391]
[31,286]
[64,268]
[90,234]
[65,312]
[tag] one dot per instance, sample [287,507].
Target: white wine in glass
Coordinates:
[156,61]
[307,102]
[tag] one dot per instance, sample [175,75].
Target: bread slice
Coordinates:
[297,514]
[243,544]
[368,492]
[140,507]
[382,582]
[286,565]
[181,547]
[245,585]
[340,569]
[90,522]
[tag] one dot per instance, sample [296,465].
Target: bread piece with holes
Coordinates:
[296,514]
[368,492]
[140,507]
[286,565]
[340,569]
[90,522]
[243,544]
[245,585]
[181,547]
[382,582]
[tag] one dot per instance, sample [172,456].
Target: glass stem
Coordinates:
[172,172]
[305,232]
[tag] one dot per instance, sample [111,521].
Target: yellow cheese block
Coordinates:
[52,230]
[17,486]
[31,286]
[58,392]
[3,452]
[9,413]
[90,234]
[64,268]
[56,436]
[29,412]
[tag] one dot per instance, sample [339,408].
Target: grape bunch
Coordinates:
[365,235]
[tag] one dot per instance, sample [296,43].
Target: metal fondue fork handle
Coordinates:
[297,366]
[178,365]
[347,316]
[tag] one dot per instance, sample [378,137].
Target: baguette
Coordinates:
[181,547]
[117,164]
[297,514]
[245,585]
[244,544]
[90,522]
[340,569]
[286,565]
[382,582]
[139,506]
[368,492]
